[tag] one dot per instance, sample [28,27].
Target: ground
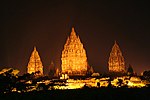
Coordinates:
[83,94]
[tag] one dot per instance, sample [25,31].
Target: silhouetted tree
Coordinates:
[42,87]
[146,75]
[98,84]
[7,80]
[120,82]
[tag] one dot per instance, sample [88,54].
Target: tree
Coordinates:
[146,75]
[8,79]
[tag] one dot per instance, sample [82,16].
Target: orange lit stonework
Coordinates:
[74,60]
[116,61]
[35,63]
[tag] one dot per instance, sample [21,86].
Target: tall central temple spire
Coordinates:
[116,61]
[74,60]
[35,63]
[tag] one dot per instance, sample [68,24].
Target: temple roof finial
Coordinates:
[72,29]
[115,42]
[34,48]
[73,33]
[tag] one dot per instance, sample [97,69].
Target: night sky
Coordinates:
[47,24]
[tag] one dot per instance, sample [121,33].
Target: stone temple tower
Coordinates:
[116,61]
[35,63]
[74,60]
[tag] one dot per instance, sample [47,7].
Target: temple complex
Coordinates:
[74,60]
[35,63]
[116,61]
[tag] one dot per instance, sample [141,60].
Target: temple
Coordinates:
[53,71]
[35,63]
[74,60]
[116,61]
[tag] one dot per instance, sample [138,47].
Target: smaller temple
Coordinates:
[53,71]
[90,70]
[35,63]
[116,61]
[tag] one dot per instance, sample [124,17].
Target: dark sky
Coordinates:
[47,24]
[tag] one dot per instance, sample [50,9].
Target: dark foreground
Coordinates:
[82,94]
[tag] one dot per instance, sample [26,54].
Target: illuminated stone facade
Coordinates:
[116,61]
[74,60]
[35,63]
